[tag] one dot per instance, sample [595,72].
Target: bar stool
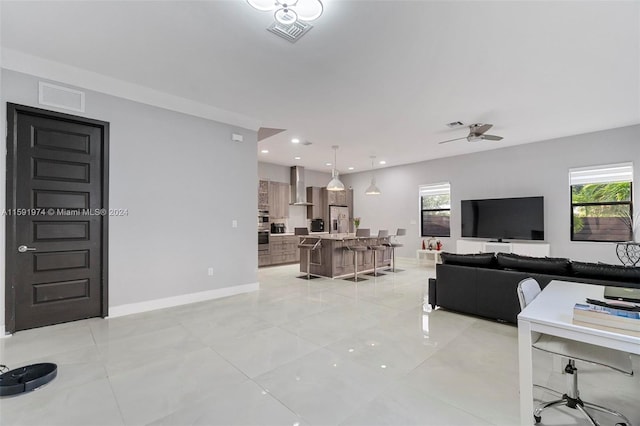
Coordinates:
[356,248]
[377,247]
[393,244]
[309,247]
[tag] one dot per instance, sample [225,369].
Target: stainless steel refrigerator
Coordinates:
[339,219]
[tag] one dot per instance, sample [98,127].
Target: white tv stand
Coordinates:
[524,249]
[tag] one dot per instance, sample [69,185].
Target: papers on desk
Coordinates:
[607,318]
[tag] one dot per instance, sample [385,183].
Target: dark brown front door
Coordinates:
[56,257]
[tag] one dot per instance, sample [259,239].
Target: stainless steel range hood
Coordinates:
[298,189]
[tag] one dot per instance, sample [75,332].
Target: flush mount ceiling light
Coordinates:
[335,184]
[372,189]
[287,12]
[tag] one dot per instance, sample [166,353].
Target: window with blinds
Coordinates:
[435,206]
[601,203]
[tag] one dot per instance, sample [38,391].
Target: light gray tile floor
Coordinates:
[296,352]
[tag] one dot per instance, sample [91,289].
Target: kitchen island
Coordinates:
[333,260]
[282,249]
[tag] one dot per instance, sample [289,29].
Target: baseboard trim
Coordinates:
[183,299]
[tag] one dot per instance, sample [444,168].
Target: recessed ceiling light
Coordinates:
[296,158]
[265,151]
[383,162]
[327,164]
[295,140]
[351,168]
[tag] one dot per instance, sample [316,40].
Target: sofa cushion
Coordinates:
[605,271]
[544,265]
[486,260]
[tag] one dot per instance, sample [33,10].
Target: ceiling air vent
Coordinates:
[291,32]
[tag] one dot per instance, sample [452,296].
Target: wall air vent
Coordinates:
[60,97]
[291,32]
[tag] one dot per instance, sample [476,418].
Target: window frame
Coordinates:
[422,210]
[573,205]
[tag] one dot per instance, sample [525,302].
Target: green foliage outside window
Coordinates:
[436,214]
[605,206]
[433,202]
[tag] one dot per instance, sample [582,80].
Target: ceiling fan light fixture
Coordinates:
[285,16]
[264,5]
[309,10]
[477,132]
[288,12]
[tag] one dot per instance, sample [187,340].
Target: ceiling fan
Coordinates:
[476,133]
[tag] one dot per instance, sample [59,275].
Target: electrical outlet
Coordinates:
[234,223]
[210,272]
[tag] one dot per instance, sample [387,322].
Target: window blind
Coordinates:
[601,174]
[443,188]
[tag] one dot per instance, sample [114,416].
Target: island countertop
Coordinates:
[339,237]
[291,234]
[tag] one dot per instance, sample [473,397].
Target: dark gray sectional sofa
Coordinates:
[485,284]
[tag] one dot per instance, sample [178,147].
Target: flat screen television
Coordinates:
[500,218]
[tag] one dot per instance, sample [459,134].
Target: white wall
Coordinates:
[3,153]
[183,181]
[525,170]
[277,173]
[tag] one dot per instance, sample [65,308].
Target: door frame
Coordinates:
[11,187]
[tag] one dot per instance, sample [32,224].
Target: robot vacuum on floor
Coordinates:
[26,379]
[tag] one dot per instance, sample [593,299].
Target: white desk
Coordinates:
[552,313]
[434,256]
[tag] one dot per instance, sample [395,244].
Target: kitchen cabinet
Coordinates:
[264,259]
[318,197]
[349,195]
[263,195]
[278,200]
[284,249]
[337,198]
[322,199]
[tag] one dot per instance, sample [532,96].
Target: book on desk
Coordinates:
[607,318]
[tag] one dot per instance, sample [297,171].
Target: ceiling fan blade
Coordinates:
[492,137]
[480,129]
[451,140]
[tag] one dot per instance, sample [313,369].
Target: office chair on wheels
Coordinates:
[528,289]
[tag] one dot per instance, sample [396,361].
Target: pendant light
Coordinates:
[372,189]
[335,184]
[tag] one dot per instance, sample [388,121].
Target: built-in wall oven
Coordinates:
[263,220]
[263,242]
